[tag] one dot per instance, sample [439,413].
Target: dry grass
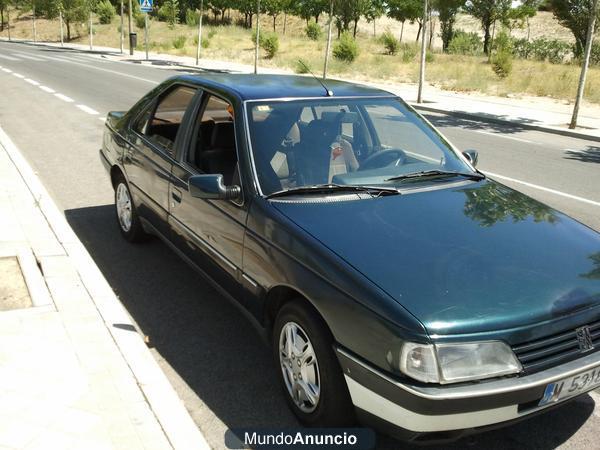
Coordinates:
[459,73]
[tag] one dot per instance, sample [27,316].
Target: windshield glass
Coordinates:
[362,141]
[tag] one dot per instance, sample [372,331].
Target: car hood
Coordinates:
[464,259]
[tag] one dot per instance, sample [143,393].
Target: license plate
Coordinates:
[569,387]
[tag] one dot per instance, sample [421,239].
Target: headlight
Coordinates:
[452,363]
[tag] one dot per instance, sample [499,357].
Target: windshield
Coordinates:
[362,141]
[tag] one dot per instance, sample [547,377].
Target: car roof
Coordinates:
[260,87]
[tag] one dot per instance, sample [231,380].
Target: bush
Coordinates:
[192,17]
[169,12]
[429,56]
[139,21]
[502,63]
[261,38]
[595,56]
[389,41]
[211,33]
[179,42]
[552,50]
[408,53]
[302,66]
[270,44]
[464,43]
[205,41]
[106,11]
[503,43]
[313,31]
[345,48]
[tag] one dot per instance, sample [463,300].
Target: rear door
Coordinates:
[154,135]
[210,232]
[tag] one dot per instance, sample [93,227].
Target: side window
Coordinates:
[213,151]
[163,126]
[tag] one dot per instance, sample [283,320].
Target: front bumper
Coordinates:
[409,410]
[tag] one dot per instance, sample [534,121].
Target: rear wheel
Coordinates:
[127,218]
[308,369]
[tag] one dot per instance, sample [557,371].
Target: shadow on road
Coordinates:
[449,120]
[219,354]
[590,154]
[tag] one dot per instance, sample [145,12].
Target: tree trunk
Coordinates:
[284,22]
[401,31]
[355,27]
[374,29]
[68,24]
[317,18]
[419,31]
[486,37]
[1,19]
[274,19]
[431,31]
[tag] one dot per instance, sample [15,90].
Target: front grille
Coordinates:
[556,349]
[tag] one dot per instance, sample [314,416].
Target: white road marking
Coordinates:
[64,98]
[490,133]
[30,81]
[87,109]
[18,75]
[47,89]
[596,398]
[9,58]
[26,56]
[7,70]
[545,189]
[102,119]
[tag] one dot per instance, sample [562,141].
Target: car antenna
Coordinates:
[328,91]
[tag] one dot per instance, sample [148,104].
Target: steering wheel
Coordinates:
[383,158]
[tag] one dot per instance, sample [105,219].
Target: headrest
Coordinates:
[223,135]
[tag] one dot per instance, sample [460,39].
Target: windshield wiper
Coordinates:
[434,173]
[375,191]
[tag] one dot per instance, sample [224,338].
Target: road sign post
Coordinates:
[146,7]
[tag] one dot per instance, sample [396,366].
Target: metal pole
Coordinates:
[423,53]
[121,34]
[91,32]
[130,19]
[8,20]
[257,36]
[199,32]
[146,34]
[328,39]
[34,30]
[62,33]
[586,63]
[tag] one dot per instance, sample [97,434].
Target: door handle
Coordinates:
[176,195]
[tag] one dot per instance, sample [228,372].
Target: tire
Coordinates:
[126,214]
[333,407]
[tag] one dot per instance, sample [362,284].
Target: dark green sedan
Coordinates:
[398,285]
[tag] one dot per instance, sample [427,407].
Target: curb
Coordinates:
[167,407]
[480,118]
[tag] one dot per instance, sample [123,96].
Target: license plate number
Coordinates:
[569,387]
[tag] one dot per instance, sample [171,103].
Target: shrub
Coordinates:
[169,12]
[261,38]
[464,43]
[502,63]
[179,42]
[106,11]
[408,53]
[552,50]
[389,41]
[139,21]
[270,44]
[205,41]
[302,66]
[429,56]
[595,56]
[313,31]
[192,17]
[211,33]
[345,48]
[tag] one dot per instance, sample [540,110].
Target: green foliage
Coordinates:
[313,31]
[270,44]
[409,52]
[169,12]
[595,56]
[488,12]
[261,38]
[403,10]
[140,21]
[179,42]
[575,15]
[464,43]
[192,17]
[503,43]
[552,50]
[106,11]
[205,41]
[502,63]
[302,66]
[429,56]
[447,9]
[345,49]
[389,41]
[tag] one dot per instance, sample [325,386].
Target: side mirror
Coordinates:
[212,187]
[472,156]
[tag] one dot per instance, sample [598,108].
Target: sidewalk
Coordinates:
[74,373]
[538,113]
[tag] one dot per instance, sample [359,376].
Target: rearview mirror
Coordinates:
[472,156]
[212,187]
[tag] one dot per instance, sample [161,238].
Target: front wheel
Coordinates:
[308,369]
[127,218]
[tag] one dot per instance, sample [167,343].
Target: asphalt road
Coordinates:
[52,104]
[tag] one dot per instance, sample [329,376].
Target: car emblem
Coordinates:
[584,338]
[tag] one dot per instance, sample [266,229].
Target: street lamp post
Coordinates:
[328,39]
[130,19]
[62,33]
[257,36]
[423,54]
[121,33]
[199,32]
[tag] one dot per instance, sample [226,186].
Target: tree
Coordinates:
[374,10]
[4,5]
[74,11]
[403,10]
[489,12]
[247,8]
[448,10]
[272,8]
[575,15]
[520,15]
[307,9]
[218,8]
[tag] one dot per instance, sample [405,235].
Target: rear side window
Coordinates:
[163,125]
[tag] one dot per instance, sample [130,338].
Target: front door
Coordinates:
[210,232]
